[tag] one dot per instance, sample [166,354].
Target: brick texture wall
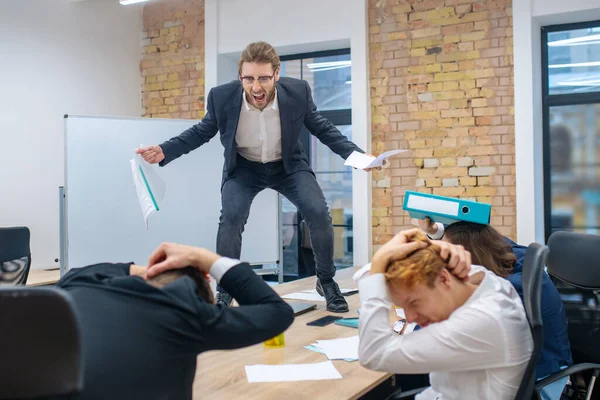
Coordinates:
[442,86]
[173,59]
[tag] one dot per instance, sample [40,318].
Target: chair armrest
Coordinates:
[400,395]
[565,372]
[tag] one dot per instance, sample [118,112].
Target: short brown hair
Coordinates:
[259,52]
[202,286]
[422,266]
[488,248]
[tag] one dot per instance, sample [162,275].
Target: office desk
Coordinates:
[221,374]
[39,277]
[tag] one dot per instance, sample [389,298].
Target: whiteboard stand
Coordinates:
[280,238]
[61,229]
[278,268]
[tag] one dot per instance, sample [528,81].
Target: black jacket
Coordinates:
[141,342]
[296,109]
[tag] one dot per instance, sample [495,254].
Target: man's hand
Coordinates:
[395,249]
[428,226]
[174,256]
[371,169]
[152,154]
[459,259]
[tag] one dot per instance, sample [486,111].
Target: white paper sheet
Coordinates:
[303,296]
[311,295]
[343,290]
[340,349]
[315,347]
[292,372]
[363,161]
[149,186]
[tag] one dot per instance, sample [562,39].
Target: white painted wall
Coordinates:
[57,58]
[588,9]
[282,22]
[529,16]
[298,27]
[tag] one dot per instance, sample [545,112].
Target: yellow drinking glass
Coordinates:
[276,342]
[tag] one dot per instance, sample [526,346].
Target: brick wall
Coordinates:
[173,59]
[442,87]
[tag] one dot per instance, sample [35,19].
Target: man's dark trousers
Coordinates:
[301,188]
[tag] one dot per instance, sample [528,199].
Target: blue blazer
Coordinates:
[296,109]
[556,351]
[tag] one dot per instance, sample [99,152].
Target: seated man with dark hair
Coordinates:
[142,330]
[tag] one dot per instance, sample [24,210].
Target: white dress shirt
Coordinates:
[258,135]
[480,352]
[221,266]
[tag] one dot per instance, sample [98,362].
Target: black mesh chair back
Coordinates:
[533,270]
[15,255]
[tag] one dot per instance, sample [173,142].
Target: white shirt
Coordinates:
[480,352]
[258,135]
[221,266]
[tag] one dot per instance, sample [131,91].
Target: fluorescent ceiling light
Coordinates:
[348,82]
[128,2]
[328,65]
[583,64]
[575,41]
[589,82]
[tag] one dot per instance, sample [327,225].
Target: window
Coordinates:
[328,74]
[571,106]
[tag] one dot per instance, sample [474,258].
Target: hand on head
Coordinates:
[174,256]
[407,242]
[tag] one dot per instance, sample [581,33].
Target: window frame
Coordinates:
[554,100]
[336,117]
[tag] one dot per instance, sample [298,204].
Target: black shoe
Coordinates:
[335,301]
[224,298]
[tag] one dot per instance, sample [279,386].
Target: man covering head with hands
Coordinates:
[475,340]
[142,329]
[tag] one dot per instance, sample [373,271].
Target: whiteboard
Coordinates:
[103,220]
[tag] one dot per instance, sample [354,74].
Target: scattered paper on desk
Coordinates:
[340,349]
[314,347]
[312,295]
[303,296]
[292,372]
[363,161]
[343,290]
[149,186]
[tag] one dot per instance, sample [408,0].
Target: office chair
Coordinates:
[15,255]
[573,259]
[533,269]
[41,345]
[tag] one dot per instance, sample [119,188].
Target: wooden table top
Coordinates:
[38,277]
[221,374]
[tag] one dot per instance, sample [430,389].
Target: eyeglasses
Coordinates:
[249,80]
